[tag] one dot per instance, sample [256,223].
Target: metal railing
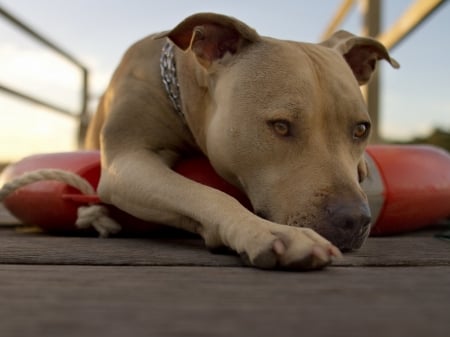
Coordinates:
[82,115]
[416,14]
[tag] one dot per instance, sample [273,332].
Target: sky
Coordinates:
[414,99]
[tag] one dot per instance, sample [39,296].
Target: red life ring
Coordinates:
[415,183]
[408,188]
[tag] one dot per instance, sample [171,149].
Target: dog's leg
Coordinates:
[140,183]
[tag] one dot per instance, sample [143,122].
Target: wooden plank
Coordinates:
[403,250]
[21,248]
[198,301]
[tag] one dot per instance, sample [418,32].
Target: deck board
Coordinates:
[172,286]
[204,301]
[23,248]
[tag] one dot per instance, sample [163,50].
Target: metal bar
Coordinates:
[409,21]
[83,116]
[85,93]
[40,38]
[341,13]
[37,101]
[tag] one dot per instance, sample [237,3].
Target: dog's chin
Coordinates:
[355,244]
[346,241]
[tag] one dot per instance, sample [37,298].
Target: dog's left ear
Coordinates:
[211,36]
[361,53]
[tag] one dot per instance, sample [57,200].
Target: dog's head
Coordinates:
[286,121]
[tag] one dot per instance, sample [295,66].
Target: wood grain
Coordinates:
[172,286]
[201,301]
[22,248]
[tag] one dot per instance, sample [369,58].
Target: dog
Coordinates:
[283,121]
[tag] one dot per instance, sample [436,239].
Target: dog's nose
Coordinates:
[350,224]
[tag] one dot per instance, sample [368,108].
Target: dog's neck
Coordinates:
[169,76]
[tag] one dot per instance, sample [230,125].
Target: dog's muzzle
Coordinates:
[348,227]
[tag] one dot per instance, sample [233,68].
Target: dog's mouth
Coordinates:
[348,236]
[348,242]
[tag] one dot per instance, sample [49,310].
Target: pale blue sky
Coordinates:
[97,32]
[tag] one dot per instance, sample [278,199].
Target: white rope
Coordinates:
[47,174]
[97,217]
[92,215]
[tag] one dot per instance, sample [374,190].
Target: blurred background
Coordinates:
[61,55]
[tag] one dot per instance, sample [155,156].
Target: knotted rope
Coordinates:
[95,216]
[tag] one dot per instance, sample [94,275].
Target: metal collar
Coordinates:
[169,76]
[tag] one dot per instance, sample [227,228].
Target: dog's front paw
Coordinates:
[289,248]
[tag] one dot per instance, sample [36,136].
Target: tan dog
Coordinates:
[283,121]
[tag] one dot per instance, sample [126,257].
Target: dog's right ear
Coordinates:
[211,36]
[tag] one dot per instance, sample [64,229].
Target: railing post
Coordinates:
[84,113]
[372,14]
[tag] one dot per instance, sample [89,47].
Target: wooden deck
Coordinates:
[84,286]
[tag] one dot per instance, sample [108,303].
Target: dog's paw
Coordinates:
[289,248]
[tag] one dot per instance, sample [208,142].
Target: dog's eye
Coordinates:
[281,127]
[361,130]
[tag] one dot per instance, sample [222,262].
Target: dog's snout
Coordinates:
[350,224]
[349,218]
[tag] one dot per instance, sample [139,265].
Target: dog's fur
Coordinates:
[283,121]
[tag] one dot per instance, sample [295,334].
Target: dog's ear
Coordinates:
[211,36]
[361,53]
